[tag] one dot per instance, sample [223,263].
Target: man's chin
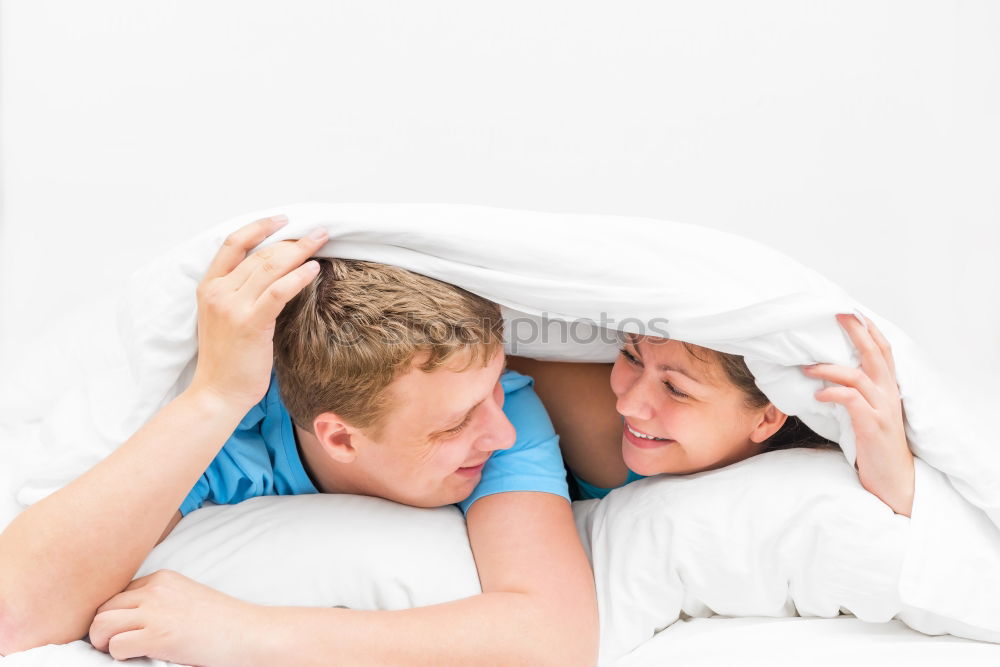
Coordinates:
[462,490]
[441,499]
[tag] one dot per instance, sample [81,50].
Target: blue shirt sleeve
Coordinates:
[259,459]
[534,462]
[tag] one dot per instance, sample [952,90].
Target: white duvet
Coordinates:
[938,572]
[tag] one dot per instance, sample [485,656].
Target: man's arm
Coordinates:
[538,607]
[65,555]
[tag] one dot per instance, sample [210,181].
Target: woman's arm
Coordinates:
[870,394]
[580,402]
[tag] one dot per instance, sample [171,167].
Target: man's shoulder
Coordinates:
[512,381]
[525,410]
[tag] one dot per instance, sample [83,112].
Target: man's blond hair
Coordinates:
[341,341]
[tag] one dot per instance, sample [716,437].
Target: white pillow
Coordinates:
[785,533]
[324,550]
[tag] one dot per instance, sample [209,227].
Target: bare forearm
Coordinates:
[488,629]
[67,554]
[893,484]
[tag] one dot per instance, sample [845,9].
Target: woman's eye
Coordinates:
[673,390]
[628,356]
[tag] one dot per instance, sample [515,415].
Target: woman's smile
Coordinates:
[643,440]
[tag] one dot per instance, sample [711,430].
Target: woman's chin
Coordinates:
[647,462]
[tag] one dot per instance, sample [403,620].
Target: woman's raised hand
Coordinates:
[239,300]
[871,396]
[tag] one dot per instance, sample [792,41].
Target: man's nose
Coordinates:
[498,432]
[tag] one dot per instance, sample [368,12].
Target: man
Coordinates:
[382,402]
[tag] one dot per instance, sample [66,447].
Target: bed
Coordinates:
[824,556]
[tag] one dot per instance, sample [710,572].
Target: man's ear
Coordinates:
[335,437]
[770,422]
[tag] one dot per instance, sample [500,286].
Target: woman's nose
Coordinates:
[635,401]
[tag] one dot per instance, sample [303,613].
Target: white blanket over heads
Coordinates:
[548,270]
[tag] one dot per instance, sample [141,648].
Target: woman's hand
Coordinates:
[238,302]
[167,616]
[871,396]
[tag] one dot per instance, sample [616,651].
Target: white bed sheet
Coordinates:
[817,642]
[709,642]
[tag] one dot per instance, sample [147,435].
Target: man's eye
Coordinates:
[458,429]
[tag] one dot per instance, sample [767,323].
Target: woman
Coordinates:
[666,406]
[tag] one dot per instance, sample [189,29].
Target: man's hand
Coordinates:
[871,396]
[167,616]
[238,302]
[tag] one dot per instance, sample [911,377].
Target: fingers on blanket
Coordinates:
[139,582]
[268,306]
[258,272]
[884,346]
[854,379]
[236,246]
[868,393]
[131,644]
[873,361]
[864,418]
[127,599]
[109,623]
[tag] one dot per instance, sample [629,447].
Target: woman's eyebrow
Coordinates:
[630,338]
[675,369]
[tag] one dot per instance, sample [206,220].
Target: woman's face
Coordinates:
[681,414]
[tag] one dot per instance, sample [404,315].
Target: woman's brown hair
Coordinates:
[793,433]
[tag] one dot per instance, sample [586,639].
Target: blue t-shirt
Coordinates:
[261,457]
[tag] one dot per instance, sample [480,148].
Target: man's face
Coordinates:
[442,427]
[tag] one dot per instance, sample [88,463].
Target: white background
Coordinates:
[861,137]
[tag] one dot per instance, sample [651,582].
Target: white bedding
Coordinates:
[708,642]
[791,642]
[778,315]
[811,551]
